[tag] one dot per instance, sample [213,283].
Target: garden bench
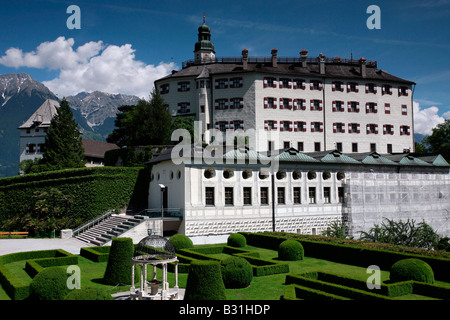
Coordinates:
[13,234]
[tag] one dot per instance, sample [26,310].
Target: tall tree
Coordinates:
[63,146]
[439,141]
[147,123]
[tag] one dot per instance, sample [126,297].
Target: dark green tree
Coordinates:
[439,141]
[63,146]
[147,123]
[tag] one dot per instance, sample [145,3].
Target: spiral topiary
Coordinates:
[204,281]
[181,241]
[237,240]
[49,284]
[411,269]
[236,272]
[290,250]
[89,293]
[118,269]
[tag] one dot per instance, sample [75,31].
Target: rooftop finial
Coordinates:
[204,18]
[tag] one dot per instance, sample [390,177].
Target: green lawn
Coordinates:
[261,288]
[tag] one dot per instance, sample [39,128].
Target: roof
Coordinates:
[97,149]
[42,117]
[294,156]
[289,67]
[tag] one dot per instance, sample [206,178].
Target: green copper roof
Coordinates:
[204,39]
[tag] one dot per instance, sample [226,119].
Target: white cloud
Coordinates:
[446,115]
[426,119]
[92,66]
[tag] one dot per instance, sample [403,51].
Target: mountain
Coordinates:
[21,95]
[99,109]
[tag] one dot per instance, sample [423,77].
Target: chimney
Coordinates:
[244,59]
[362,65]
[303,57]
[321,60]
[274,57]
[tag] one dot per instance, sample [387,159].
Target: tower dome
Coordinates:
[204,48]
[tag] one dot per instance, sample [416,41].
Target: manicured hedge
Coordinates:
[19,288]
[96,254]
[411,269]
[290,250]
[350,254]
[236,272]
[33,267]
[204,281]
[88,293]
[118,269]
[181,241]
[298,292]
[236,240]
[93,190]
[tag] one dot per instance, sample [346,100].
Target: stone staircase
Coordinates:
[110,228]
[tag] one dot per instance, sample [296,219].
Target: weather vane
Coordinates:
[204,19]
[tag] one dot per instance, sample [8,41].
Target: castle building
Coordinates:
[309,103]
[339,131]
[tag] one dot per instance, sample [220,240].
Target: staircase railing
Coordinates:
[93,222]
[167,213]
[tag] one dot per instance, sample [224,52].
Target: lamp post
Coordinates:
[163,187]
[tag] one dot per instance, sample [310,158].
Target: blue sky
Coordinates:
[123,46]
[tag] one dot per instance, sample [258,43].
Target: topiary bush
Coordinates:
[204,281]
[236,272]
[49,284]
[411,269]
[237,240]
[118,269]
[290,250]
[181,241]
[88,293]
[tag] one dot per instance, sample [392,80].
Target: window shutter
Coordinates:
[217,84]
[376,129]
[188,108]
[349,106]
[241,122]
[296,126]
[266,103]
[357,106]
[320,85]
[290,104]
[367,88]
[275,125]
[350,128]
[304,126]
[227,125]
[376,107]
[311,85]
[188,86]
[383,89]
[265,82]
[333,86]
[231,125]
[217,125]
[274,83]
[28,148]
[266,125]
[281,103]
[321,127]
[179,108]
[384,129]
[387,108]
[348,86]
[357,88]
[295,104]
[281,125]
[290,84]
[367,128]
[274,103]
[312,105]
[294,84]
[232,102]
[290,125]
[375,88]
[241,83]
[320,105]
[358,130]
[312,126]
[343,127]
[179,87]
[281,84]
[226,104]
[241,103]
[392,129]
[216,104]
[367,107]
[334,127]
[334,106]
[303,104]
[409,130]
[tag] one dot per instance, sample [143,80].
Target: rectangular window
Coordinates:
[270,125]
[229,196]
[386,89]
[316,146]
[327,194]
[300,126]
[270,145]
[284,104]
[353,106]
[270,103]
[221,83]
[164,88]
[352,87]
[184,107]
[300,146]
[403,91]
[299,84]
[338,127]
[371,88]
[373,147]
[388,129]
[281,196]
[316,85]
[286,144]
[264,195]
[387,108]
[236,103]
[316,105]
[354,147]
[285,83]
[297,195]
[183,86]
[337,86]
[405,130]
[236,83]
[404,110]
[270,83]
[338,106]
[354,128]
[389,148]
[371,107]
[312,194]
[341,194]
[339,146]
[247,195]
[209,196]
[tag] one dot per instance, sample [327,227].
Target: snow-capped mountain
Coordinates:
[21,95]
